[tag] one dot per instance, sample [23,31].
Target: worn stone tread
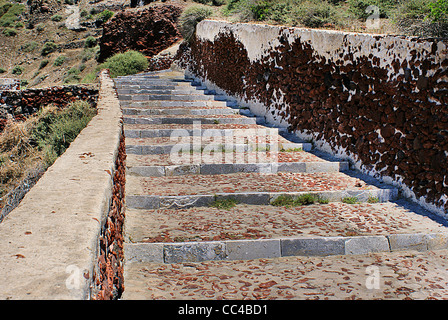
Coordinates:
[267,222]
[385,276]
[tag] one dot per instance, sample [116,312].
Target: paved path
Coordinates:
[72,21]
[222,206]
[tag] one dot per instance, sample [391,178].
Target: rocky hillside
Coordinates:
[54,42]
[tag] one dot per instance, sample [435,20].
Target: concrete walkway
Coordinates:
[213,192]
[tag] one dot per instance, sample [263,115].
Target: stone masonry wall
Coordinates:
[109,275]
[381,101]
[23,103]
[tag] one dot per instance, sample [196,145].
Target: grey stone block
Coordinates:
[366,244]
[142,202]
[416,241]
[182,170]
[437,241]
[133,149]
[143,252]
[179,202]
[322,246]
[344,166]
[291,167]
[246,198]
[147,171]
[194,252]
[253,249]
[312,167]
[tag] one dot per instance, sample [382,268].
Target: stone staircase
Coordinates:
[209,181]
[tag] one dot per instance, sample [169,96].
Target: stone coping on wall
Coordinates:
[49,243]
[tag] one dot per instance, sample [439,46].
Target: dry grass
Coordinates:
[17,155]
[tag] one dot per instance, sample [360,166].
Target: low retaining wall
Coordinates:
[379,100]
[50,244]
[23,103]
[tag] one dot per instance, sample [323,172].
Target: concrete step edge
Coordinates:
[226,250]
[255,198]
[227,168]
[189,147]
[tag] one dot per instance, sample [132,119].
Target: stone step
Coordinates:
[248,188]
[176,104]
[264,231]
[176,119]
[205,130]
[227,168]
[185,144]
[180,111]
[154,84]
[249,222]
[261,157]
[195,91]
[380,276]
[171,97]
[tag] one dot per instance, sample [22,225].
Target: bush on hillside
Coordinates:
[48,48]
[123,64]
[191,17]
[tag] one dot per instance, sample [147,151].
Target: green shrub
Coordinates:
[9,32]
[17,70]
[11,13]
[191,17]
[104,16]
[29,47]
[122,64]
[90,42]
[56,130]
[19,25]
[439,11]
[89,78]
[56,18]
[48,48]
[43,64]
[2,70]
[358,7]
[313,14]
[72,79]
[301,200]
[89,53]
[218,2]
[350,200]
[40,27]
[224,204]
[59,61]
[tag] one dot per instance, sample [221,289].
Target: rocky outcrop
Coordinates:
[41,10]
[148,31]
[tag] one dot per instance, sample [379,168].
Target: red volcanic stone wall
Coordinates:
[387,110]
[109,274]
[20,104]
[148,31]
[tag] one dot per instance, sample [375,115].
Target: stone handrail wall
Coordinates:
[50,244]
[379,100]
